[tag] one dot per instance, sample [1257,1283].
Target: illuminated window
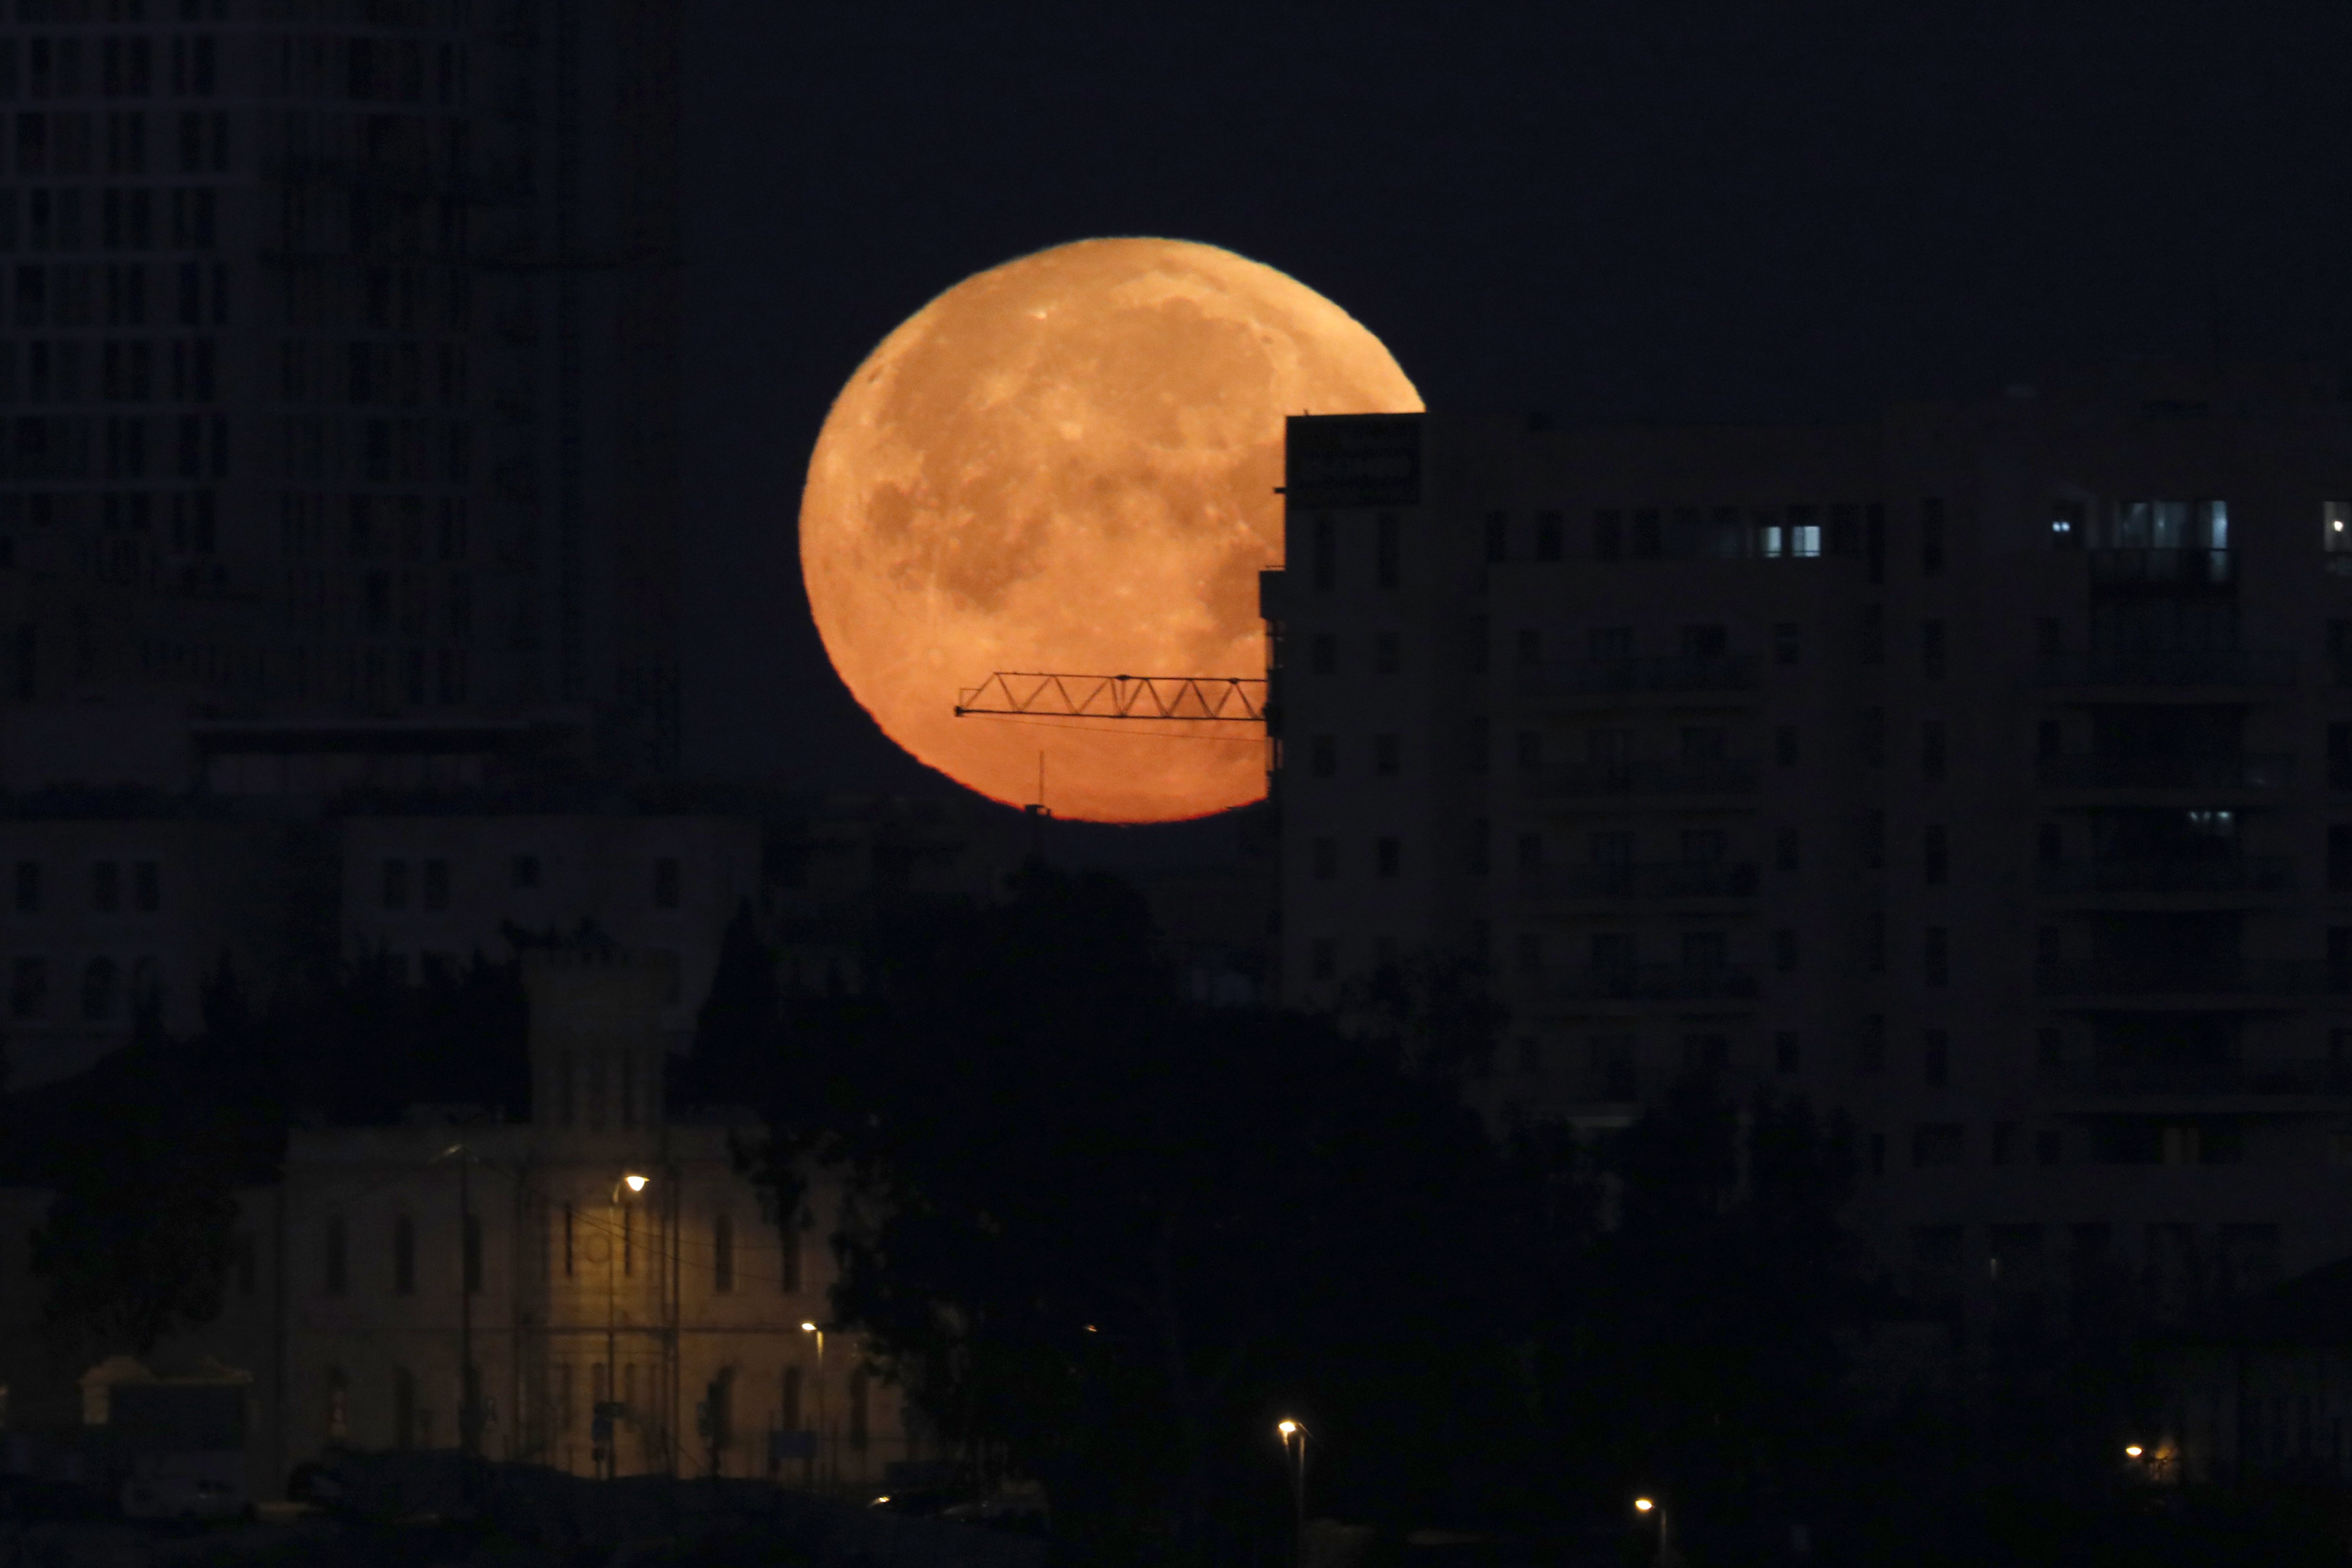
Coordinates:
[2335,527]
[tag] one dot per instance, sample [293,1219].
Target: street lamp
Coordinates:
[1647,1506]
[823,1422]
[1293,1433]
[603,1432]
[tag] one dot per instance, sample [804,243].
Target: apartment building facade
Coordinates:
[359,317]
[1980,772]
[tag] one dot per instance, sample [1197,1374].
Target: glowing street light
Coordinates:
[2132,1450]
[1293,1433]
[823,1421]
[1645,1506]
[605,1434]
[634,1182]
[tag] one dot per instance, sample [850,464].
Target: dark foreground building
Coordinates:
[1984,771]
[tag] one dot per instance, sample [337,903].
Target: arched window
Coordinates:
[98,987]
[404,1408]
[339,1407]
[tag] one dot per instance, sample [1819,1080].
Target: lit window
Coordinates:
[2335,527]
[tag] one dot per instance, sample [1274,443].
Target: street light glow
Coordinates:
[2131,1450]
[808,1328]
[634,1182]
[1643,1505]
[1287,1428]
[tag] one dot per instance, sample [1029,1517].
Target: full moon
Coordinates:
[1067,464]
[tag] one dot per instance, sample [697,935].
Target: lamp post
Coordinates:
[1647,1506]
[609,1406]
[1293,1434]
[823,1422]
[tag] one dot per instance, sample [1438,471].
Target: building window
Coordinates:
[1784,642]
[1385,551]
[403,1409]
[1323,653]
[1931,651]
[1874,942]
[666,884]
[1387,749]
[1931,536]
[29,988]
[1323,757]
[146,887]
[1529,647]
[396,885]
[1931,750]
[1784,951]
[1549,532]
[1935,1057]
[1527,750]
[1531,854]
[1871,1057]
[2049,1046]
[98,988]
[1322,958]
[1784,746]
[106,887]
[1387,856]
[1531,953]
[1936,856]
[28,887]
[1324,855]
[437,884]
[522,873]
[1787,1052]
[1498,538]
[1704,951]
[1784,849]
[403,1256]
[1874,737]
[338,1260]
[1935,957]
[1608,536]
[1939,1143]
[339,1407]
[1385,658]
[1327,555]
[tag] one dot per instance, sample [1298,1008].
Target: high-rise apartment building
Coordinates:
[340,336]
[1984,771]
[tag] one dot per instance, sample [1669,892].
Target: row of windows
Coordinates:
[136,370]
[523,873]
[372,527]
[373,373]
[70,295]
[367,70]
[38,447]
[116,144]
[578,1243]
[117,65]
[104,995]
[116,218]
[379,603]
[390,450]
[110,886]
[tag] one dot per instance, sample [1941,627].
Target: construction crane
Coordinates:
[1027,694]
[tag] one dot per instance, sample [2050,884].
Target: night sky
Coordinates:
[1603,212]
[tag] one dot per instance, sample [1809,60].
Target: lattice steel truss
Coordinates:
[1215,699]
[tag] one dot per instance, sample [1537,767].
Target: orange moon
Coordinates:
[1067,464]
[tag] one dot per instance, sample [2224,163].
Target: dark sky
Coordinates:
[1772,211]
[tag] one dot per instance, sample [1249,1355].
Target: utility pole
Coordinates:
[469,1403]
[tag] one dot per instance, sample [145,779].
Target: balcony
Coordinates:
[1712,776]
[2129,569]
[2167,772]
[2184,1080]
[1640,677]
[2230,874]
[2169,668]
[1684,879]
[1656,983]
[2233,977]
